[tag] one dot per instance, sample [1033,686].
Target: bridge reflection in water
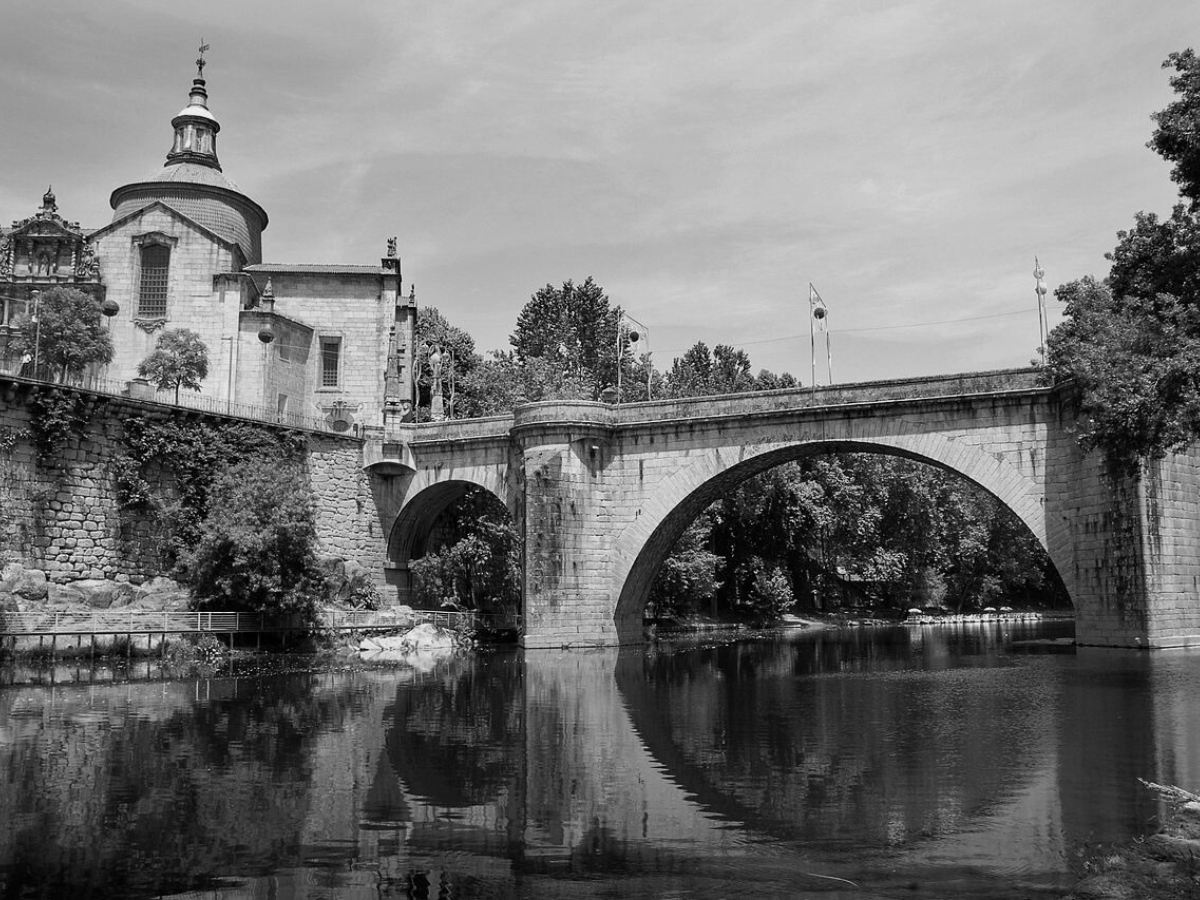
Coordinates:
[927,758]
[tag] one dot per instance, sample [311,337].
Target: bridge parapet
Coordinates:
[867,392]
[452,430]
[566,420]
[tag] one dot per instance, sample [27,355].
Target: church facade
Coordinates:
[184,250]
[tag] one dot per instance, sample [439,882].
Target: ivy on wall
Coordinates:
[55,415]
[169,465]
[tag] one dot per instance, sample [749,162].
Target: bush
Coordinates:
[257,546]
[770,595]
[480,570]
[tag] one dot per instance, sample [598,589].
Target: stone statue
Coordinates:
[437,410]
[391,248]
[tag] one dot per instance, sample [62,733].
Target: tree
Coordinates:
[479,564]
[180,359]
[687,581]
[691,374]
[574,329]
[724,370]
[64,333]
[1129,344]
[1136,361]
[1176,139]
[257,549]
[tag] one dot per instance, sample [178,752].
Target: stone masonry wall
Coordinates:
[347,308]
[568,569]
[347,522]
[63,517]
[1170,508]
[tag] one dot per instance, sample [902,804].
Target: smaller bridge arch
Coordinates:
[422,498]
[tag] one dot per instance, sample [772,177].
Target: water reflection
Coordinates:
[805,764]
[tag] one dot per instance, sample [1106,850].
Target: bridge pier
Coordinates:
[568,524]
[1134,569]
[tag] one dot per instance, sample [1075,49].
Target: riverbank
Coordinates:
[1162,866]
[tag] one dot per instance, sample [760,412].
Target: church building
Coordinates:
[184,250]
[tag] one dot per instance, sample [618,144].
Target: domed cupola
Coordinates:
[196,128]
[192,182]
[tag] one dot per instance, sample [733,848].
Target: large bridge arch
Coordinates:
[641,547]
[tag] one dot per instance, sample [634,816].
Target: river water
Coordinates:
[918,762]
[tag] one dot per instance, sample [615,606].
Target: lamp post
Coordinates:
[108,309]
[37,329]
[1039,275]
[626,330]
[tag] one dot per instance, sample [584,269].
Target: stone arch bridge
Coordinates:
[601,492]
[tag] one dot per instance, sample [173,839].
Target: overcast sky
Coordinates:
[703,161]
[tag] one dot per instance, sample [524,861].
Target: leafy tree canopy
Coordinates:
[180,359]
[574,329]
[478,567]
[1175,139]
[258,544]
[724,370]
[1137,360]
[66,336]
[1130,342]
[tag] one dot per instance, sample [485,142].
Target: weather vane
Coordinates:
[200,61]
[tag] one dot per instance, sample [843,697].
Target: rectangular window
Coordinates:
[331,352]
[152,294]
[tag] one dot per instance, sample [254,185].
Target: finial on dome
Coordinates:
[200,62]
[49,202]
[195,127]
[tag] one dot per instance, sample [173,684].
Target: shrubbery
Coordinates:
[257,545]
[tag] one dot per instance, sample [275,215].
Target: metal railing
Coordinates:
[131,621]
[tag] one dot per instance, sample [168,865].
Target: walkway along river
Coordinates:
[931,762]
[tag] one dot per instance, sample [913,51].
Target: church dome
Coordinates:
[192,183]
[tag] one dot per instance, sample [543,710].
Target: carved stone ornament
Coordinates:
[150,325]
[6,256]
[88,266]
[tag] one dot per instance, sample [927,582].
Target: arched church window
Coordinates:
[152,293]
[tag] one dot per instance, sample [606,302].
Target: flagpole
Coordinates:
[828,351]
[1039,275]
[619,366]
